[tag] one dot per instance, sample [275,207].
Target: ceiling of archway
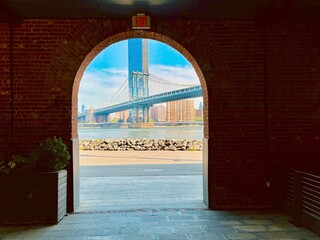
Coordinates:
[195,9]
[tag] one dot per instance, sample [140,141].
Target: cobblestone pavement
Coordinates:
[164,224]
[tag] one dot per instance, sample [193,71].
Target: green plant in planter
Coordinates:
[32,187]
[51,155]
[17,163]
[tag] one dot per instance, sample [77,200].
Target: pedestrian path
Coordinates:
[152,180]
[137,192]
[165,224]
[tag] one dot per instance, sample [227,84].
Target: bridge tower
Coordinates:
[138,75]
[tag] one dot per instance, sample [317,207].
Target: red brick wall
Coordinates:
[294,95]
[50,56]
[5,113]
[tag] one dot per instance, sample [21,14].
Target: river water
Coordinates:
[185,132]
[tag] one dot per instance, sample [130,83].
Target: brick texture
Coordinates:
[260,86]
[294,95]
[5,93]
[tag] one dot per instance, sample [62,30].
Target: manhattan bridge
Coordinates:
[142,89]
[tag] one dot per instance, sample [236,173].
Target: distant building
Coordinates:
[199,112]
[180,111]
[101,118]
[113,117]
[90,118]
[124,115]
[158,113]
[83,109]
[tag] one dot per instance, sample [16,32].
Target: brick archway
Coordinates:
[90,56]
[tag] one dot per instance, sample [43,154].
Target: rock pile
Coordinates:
[141,145]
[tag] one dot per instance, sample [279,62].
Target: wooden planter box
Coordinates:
[33,197]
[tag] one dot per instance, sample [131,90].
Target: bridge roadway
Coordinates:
[185,93]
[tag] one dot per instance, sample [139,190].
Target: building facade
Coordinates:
[180,111]
[199,112]
[158,113]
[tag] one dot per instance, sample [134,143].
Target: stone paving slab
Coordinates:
[164,224]
[134,192]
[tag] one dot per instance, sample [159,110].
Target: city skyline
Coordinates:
[107,72]
[175,111]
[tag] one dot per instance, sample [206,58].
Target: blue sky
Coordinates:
[109,69]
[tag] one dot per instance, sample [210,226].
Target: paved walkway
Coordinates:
[136,214]
[140,180]
[165,225]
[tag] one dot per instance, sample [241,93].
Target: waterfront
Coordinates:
[182,132]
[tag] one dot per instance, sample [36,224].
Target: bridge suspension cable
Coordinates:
[160,80]
[122,95]
[157,85]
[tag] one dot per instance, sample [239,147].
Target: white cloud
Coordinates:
[178,74]
[99,85]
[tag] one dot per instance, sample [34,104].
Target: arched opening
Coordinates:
[86,62]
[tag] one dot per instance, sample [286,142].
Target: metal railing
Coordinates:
[297,193]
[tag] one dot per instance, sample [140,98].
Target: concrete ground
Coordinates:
[140,180]
[156,196]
